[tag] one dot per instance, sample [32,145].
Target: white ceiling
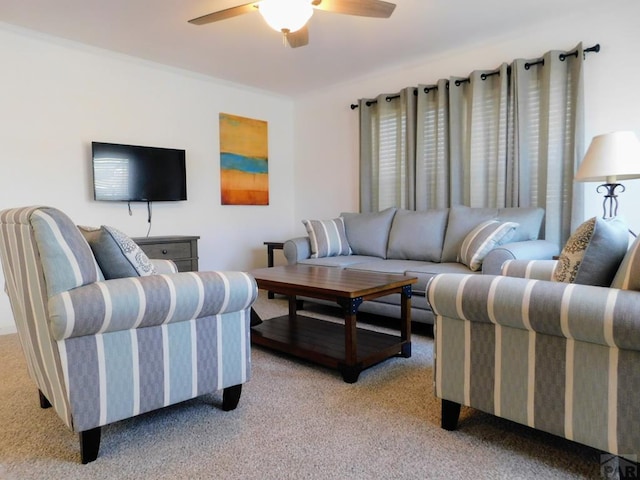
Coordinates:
[245,50]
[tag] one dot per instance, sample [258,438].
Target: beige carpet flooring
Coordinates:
[295,421]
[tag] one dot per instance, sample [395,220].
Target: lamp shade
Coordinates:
[611,157]
[286,15]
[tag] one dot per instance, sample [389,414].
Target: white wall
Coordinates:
[326,141]
[56,97]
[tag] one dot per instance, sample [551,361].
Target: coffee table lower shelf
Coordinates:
[323,342]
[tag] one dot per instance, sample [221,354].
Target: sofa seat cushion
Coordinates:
[427,271]
[418,301]
[388,266]
[417,235]
[342,261]
[422,270]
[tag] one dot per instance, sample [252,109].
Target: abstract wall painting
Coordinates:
[244,161]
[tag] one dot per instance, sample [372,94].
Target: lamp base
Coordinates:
[610,201]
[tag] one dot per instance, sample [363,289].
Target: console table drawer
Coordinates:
[170,251]
[183,250]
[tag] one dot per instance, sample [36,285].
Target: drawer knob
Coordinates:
[164,252]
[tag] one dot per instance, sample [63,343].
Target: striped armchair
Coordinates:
[100,350]
[558,357]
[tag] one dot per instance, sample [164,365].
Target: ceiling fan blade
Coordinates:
[224,14]
[299,38]
[362,8]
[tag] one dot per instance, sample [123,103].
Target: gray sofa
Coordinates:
[424,244]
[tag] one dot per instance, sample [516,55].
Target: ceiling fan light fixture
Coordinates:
[286,15]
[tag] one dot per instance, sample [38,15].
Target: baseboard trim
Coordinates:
[8,330]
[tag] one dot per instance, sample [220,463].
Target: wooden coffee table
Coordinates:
[333,344]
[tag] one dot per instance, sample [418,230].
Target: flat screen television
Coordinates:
[131,173]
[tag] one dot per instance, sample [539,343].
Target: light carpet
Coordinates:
[294,420]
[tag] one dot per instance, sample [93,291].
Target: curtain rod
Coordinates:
[388,98]
[563,56]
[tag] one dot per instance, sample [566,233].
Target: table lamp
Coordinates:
[611,157]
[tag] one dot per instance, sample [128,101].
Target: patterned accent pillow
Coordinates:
[117,255]
[482,239]
[327,237]
[593,253]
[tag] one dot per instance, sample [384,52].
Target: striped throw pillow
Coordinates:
[482,239]
[327,237]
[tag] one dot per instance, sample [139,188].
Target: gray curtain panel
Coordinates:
[508,137]
[388,151]
[433,163]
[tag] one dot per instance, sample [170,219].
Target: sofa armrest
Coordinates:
[136,302]
[533,269]
[527,250]
[297,249]
[600,315]
[164,266]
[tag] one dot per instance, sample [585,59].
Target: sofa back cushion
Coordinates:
[528,219]
[463,219]
[628,275]
[417,235]
[67,260]
[368,233]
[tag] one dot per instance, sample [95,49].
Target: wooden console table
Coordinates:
[183,250]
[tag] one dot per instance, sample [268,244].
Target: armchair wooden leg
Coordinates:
[89,445]
[450,414]
[231,397]
[44,401]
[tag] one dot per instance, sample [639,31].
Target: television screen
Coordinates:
[133,173]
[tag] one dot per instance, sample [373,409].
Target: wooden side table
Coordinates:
[271,246]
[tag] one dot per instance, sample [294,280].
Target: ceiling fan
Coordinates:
[291,16]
